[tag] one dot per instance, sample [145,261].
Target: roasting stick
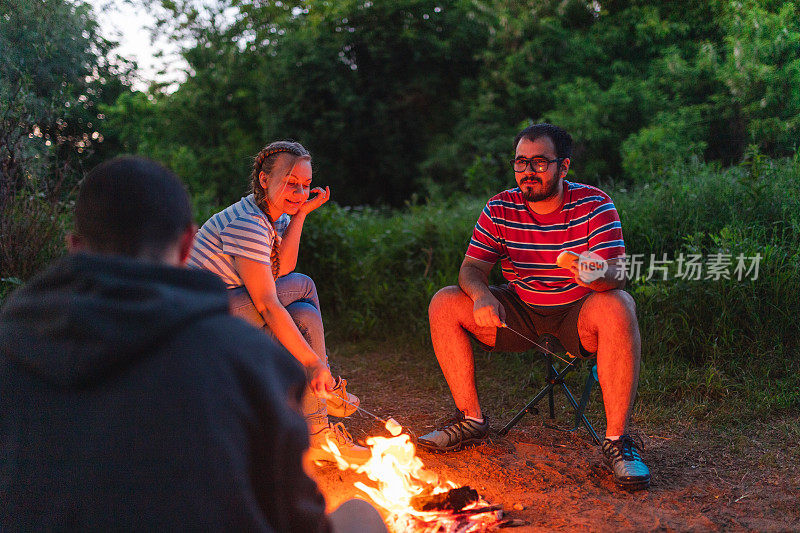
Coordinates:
[392,426]
[373,415]
[395,428]
[535,343]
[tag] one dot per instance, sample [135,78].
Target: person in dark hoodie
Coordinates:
[131,399]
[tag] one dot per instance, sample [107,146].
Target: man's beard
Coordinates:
[532,196]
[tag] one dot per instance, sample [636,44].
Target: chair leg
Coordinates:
[526,409]
[581,416]
[551,379]
[559,378]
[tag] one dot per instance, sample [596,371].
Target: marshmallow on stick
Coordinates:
[393,427]
[564,259]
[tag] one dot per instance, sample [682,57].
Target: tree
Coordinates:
[408,97]
[762,72]
[366,86]
[53,72]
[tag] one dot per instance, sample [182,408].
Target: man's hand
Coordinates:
[320,197]
[568,260]
[321,381]
[576,274]
[594,273]
[489,312]
[473,278]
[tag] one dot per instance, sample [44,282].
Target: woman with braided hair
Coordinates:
[252,246]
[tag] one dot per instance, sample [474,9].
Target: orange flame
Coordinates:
[400,476]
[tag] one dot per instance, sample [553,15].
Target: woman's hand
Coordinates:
[319,197]
[321,381]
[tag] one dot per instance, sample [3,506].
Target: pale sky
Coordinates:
[128,25]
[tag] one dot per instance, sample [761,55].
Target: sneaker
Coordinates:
[455,436]
[336,406]
[352,453]
[622,456]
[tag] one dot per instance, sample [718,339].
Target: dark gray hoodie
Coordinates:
[130,399]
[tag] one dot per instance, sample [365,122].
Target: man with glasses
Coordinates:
[527,228]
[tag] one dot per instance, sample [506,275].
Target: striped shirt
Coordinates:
[528,244]
[241,230]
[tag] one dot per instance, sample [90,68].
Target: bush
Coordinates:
[377,270]
[32,234]
[671,141]
[716,340]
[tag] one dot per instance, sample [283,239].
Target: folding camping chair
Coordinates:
[547,346]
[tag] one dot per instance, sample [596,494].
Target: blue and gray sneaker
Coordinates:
[622,456]
[459,433]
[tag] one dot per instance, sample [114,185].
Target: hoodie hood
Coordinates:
[88,317]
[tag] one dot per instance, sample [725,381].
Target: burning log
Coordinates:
[452,500]
[480,518]
[417,500]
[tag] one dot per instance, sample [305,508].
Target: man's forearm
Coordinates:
[474,282]
[614,278]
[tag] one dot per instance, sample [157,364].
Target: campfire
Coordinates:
[416,498]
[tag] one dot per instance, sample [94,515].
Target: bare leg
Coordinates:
[451,318]
[607,324]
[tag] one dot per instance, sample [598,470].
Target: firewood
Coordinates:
[452,500]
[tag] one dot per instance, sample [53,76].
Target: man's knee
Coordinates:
[444,301]
[615,304]
[610,312]
[356,516]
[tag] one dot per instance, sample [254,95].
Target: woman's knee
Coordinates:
[305,315]
[306,282]
[296,286]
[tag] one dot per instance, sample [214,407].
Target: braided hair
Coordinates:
[265,161]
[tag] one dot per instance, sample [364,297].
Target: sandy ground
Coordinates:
[702,480]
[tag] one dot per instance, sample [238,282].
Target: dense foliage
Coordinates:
[54,71]
[403,97]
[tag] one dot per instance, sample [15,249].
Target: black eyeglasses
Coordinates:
[537,164]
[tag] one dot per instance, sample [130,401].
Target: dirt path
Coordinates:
[703,479]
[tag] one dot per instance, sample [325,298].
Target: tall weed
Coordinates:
[32,234]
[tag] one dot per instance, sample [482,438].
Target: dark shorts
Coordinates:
[532,321]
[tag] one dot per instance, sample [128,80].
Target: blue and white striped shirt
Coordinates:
[241,230]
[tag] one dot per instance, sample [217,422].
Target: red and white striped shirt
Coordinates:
[528,244]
